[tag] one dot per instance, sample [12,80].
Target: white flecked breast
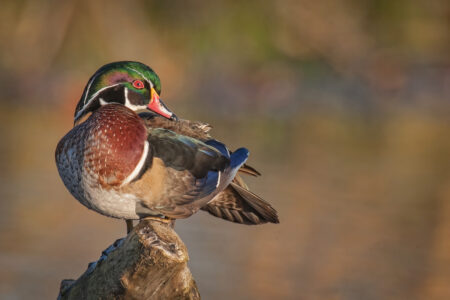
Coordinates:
[84,186]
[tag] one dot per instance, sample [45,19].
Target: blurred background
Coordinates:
[344,106]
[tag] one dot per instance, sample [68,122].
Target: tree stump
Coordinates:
[150,263]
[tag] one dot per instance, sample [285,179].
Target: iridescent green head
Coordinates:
[129,83]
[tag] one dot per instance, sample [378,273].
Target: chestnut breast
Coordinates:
[114,145]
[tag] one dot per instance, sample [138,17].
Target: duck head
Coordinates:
[129,83]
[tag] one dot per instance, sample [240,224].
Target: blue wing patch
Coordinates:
[219,146]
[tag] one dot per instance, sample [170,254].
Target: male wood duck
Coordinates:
[128,156]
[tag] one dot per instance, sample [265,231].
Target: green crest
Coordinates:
[122,72]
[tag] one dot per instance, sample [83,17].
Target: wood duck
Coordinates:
[128,156]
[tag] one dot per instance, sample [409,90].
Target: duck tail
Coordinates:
[237,204]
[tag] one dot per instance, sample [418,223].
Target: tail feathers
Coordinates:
[237,204]
[249,170]
[263,208]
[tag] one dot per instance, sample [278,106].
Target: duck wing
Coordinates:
[194,129]
[180,175]
[182,152]
[235,203]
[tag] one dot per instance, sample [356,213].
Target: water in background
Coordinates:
[364,210]
[344,108]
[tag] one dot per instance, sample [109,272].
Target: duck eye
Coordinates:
[138,84]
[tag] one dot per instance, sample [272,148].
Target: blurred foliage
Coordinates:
[343,104]
[269,48]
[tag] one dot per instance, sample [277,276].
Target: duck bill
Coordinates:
[157,106]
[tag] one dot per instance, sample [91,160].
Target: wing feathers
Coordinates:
[185,153]
[193,157]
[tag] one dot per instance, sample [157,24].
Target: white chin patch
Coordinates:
[132,106]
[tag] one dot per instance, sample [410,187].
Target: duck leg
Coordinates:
[129,225]
[166,220]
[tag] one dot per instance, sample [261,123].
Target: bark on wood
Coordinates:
[150,263]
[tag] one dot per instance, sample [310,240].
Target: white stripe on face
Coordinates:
[130,105]
[142,75]
[80,112]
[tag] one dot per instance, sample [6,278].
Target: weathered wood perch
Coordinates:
[150,263]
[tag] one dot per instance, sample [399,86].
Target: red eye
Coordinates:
[138,84]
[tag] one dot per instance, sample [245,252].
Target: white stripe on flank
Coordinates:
[218,180]
[139,166]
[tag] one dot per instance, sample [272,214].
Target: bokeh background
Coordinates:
[343,104]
